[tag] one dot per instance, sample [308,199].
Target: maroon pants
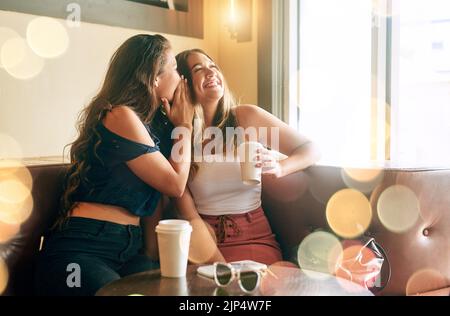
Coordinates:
[245,237]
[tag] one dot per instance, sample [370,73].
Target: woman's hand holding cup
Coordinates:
[268,160]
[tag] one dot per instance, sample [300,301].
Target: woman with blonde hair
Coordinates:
[215,193]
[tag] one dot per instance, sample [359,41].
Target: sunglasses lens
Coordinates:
[223,274]
[249,280]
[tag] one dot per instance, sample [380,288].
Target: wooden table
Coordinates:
[286,281]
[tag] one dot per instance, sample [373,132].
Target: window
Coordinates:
[421,75]
[335,77]
[373,80]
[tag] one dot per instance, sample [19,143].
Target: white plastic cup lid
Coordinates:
[173,225]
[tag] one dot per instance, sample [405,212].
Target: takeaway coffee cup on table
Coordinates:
[173,243]
[250,174]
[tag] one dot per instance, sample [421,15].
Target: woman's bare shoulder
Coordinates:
[249,114]
[123,121]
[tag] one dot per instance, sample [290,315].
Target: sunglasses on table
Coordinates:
[248,278]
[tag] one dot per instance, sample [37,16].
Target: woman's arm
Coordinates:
[148,224]
[203,247]
[301,152]
[168,177]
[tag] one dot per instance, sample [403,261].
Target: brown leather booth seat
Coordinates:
[419,257]
[295,205]
[21,251]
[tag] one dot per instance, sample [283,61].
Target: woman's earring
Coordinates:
[163,111]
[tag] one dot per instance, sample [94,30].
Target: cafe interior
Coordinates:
[367,81]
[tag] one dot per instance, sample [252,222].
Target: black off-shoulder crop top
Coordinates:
[110,181]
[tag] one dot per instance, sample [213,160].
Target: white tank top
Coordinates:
[217,189]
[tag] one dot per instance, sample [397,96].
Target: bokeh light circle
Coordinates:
[425,280]
[319,252]
[363,180]
[359,265]
[19,60]
[8,231]
[16,201]
[5,35]
[349,213]
[47,37]
[4,276]
[398,208]
[14,169]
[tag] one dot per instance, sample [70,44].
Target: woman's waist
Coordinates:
[231,207]
[254,212]
[104,212]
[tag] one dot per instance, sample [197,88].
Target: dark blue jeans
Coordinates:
[87,254]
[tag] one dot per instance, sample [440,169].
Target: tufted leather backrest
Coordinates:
[296,207]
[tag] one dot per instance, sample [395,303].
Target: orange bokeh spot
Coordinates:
[349,213]
[4,276]
[364,180]
[425,280]
[7,231]
[318,252]
[357,264]
[16,202]
[362,175]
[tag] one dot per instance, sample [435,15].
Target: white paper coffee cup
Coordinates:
[250,174]
[173,242]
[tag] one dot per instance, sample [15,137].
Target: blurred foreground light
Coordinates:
[398,208]
[16,201]
[47,37]
[8,231]
[359,265]
[19,60]
[363,180]
[5,35]
[14,169]
[319,252]
[425,280]
[4,276]
[349,213]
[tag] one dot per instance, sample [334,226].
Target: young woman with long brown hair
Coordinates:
[120,166]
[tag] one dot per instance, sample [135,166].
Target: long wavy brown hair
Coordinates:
[129,81]
[224,117]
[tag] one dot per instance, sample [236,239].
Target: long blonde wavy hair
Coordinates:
[224,117]
[129,81]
